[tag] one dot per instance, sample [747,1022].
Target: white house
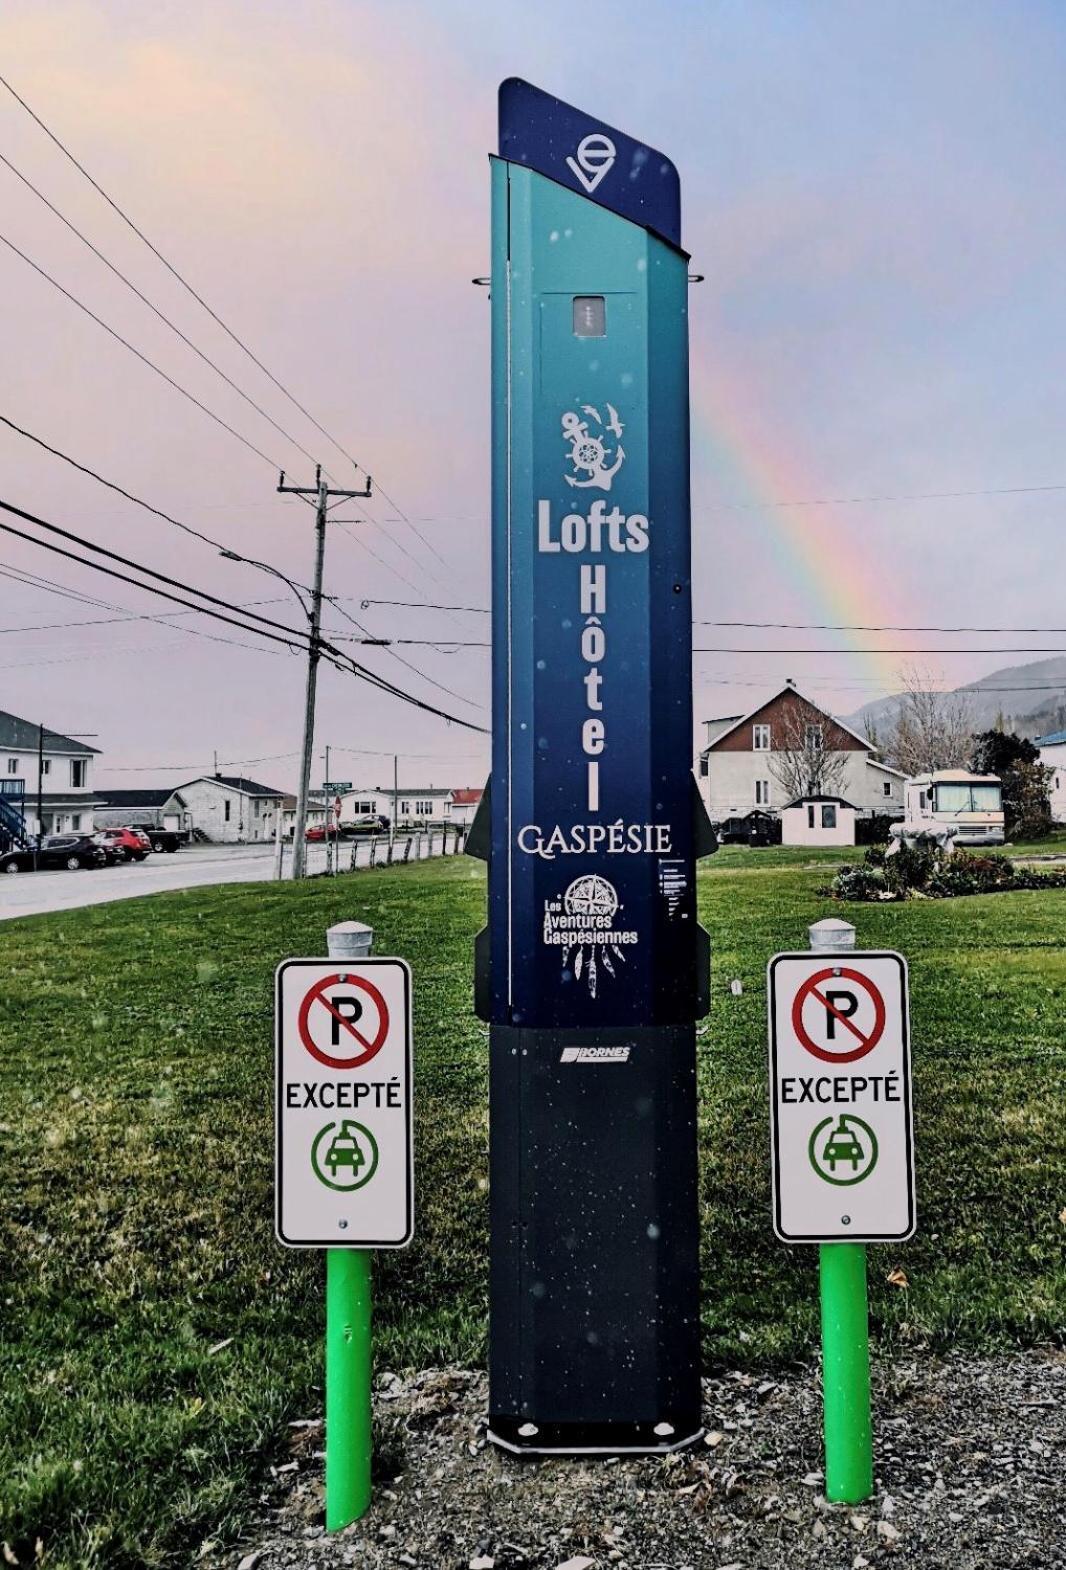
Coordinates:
[745,762]
[228,809]
[1052,749]
[818,820]
[46,784]
[412,804]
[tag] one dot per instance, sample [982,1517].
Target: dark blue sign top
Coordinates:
[593,159]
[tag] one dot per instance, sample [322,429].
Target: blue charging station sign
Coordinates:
[593,968]
[593,910]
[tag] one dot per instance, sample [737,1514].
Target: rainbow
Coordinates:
[823,561]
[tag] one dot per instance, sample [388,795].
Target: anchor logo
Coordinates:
[589,452]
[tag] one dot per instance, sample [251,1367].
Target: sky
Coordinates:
[875,195]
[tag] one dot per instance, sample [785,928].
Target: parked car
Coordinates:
[316,832]
[128,844]
[169,840]
[369,823]
[56,850]
[754,828]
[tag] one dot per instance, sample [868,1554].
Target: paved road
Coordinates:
[34,893]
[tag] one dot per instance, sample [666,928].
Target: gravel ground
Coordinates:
[970,1463]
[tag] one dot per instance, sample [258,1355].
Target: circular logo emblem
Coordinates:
[590,896]
[348,1160]
[843,1152]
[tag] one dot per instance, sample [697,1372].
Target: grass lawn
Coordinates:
[154,1340]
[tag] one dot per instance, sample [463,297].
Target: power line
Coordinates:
[386,644]
[184,391]
[33,580]
[343,526]
[162,577]
[899,496]
[215,317]
[426,605]
[111,485]
[817,626]
[154,308]
[849,653]
[172,269]
[125,578]
[343,662]
[786,626]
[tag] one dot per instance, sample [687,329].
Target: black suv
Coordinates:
[754,828]
[56,850]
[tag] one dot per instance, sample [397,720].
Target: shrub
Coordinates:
[873,830]
[859,883]
[924,868]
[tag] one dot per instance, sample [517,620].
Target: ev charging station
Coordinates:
[593,969]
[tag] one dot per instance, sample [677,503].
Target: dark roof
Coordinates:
[801,801]
[23,735]
[1054,738]
[56,798]
[137,798]
[236,782]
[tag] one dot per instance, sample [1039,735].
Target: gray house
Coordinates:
[229,809]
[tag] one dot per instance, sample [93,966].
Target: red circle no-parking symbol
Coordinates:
[343,1021]
[838,1015]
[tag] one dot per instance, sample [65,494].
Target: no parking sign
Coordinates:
[344,1168]
[840,1084]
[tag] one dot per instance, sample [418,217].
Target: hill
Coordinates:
[1030,698]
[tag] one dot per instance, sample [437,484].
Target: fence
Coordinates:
[379,850]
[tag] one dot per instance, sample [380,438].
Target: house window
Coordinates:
[760,738]
[829,817]
[12,765]
[78,769]
[225,811]
[810,816]
[75,821]
[405,808]
[46,766]
[814,738]
[364,806]
[705,767]
[424,809]
[762,793]
[887,787]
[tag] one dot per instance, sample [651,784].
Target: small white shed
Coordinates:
[818,820]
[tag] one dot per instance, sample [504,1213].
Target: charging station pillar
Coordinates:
[593,969]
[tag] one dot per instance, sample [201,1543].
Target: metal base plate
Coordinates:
[588,1439]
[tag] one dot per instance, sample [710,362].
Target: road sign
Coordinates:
[343,1103]
[336,787]
[842,1134]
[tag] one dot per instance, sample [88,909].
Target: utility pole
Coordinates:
[40,794]
[322,494]
[395,797]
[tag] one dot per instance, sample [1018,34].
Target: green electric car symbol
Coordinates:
[350,1157]
[845,1154]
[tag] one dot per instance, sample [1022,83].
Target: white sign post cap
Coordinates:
[349,940]
[831,935]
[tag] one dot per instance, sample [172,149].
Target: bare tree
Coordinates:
[800,762]
[932,729]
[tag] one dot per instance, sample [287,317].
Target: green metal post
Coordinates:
[348,1421]
[846,1372]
